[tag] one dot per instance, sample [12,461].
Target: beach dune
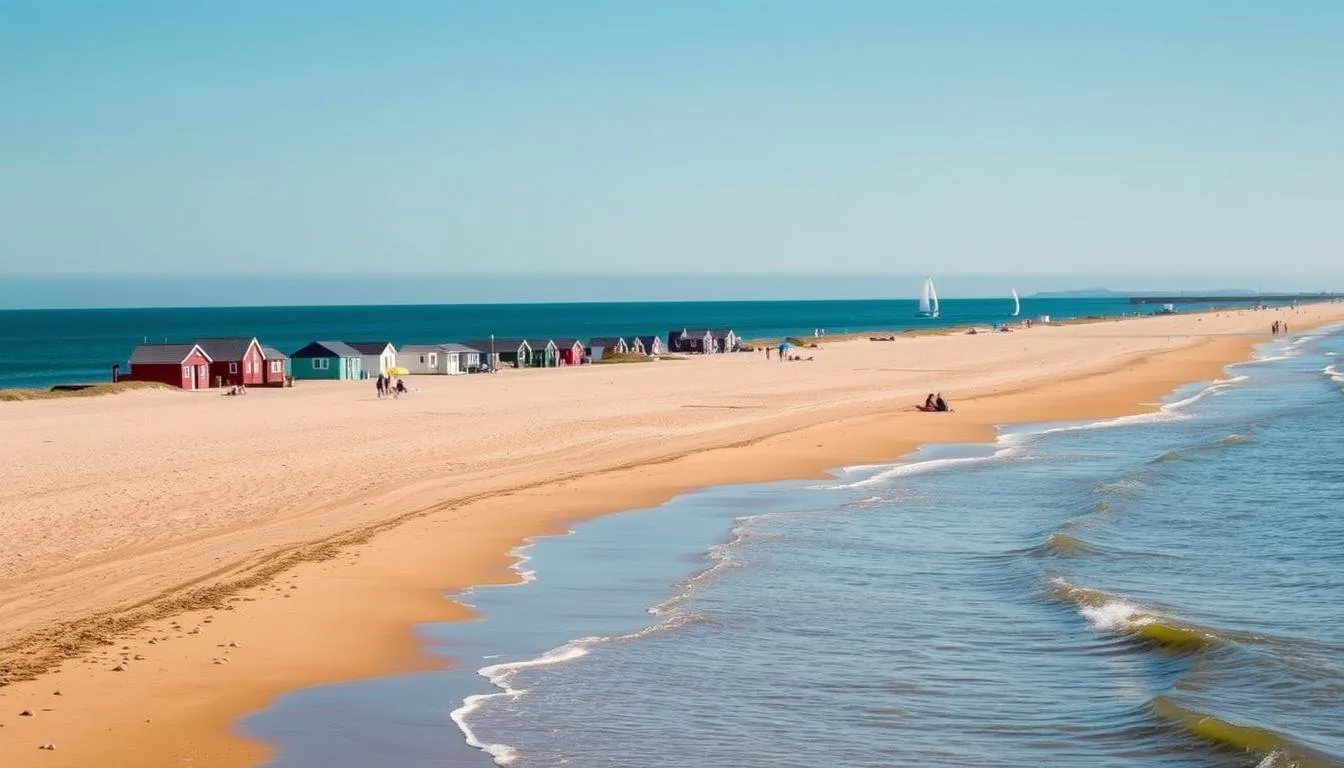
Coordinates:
[170,561]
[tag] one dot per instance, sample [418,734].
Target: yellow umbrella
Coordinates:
[398,371]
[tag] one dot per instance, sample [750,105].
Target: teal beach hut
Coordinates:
[333,360]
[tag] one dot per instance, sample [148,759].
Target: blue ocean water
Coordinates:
[39,348]
[1161,590]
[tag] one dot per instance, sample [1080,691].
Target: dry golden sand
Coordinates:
[230,549]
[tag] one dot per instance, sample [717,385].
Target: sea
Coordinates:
[45,347]
[1158,590]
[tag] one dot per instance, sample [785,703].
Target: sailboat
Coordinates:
[1017,304]
[928,299]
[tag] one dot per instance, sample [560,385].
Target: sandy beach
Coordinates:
[170,561]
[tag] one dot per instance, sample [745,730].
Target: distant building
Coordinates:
[179,365]
[545,354]
[277,366]
[570,351]
[695,341]
[444,359]
[725,340]
[601,347]
[234,360]
[647,345]
[501,352]
[328,360]
[377,357]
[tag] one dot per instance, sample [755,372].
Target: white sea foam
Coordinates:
[502,674]
[1333,372]
[1115,616]
[720,557]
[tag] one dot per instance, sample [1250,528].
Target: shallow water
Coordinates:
[1164,590]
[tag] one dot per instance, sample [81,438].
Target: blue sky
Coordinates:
[1128,139]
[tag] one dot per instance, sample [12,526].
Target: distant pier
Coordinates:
[1277,298]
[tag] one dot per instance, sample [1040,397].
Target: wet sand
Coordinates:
[230,549]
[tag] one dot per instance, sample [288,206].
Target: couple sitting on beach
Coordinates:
[933,403]
[234,391]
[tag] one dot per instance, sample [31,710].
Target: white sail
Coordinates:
[928,299]
[1017,304]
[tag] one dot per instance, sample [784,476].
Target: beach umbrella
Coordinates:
[397,370]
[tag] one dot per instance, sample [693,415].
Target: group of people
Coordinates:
[932,403]
[387,389]
[1278,328]
[238,389]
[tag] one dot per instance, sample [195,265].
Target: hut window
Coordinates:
[233,367]
[321,364]
[275,366]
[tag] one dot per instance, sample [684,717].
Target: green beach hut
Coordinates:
[333,360]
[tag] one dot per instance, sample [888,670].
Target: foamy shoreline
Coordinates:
[623,438]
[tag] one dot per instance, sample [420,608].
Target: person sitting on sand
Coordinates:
[940,404]
[401,388]
[930,404]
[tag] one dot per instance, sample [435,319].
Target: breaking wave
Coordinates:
[1117,615]
[1279,751]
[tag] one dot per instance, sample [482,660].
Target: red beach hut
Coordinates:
[179,365]
[571,351]
[234,361]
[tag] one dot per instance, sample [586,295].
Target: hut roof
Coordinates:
[164,354]
[327,349]
[454,347]
[501,345]
[370,347]
[226,347]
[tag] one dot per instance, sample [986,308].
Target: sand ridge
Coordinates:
[131,519]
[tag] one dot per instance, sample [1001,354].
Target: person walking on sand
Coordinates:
[382,386]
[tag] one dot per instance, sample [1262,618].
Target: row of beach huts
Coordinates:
[244,360]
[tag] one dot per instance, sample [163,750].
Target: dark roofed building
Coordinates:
[328,360]
[376,356]
[235,360]
[513,352]
[647,345]
[697,341]
[179,365]
[570,351]
[600,347]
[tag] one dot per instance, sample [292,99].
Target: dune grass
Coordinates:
[624,357]
[92,390]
